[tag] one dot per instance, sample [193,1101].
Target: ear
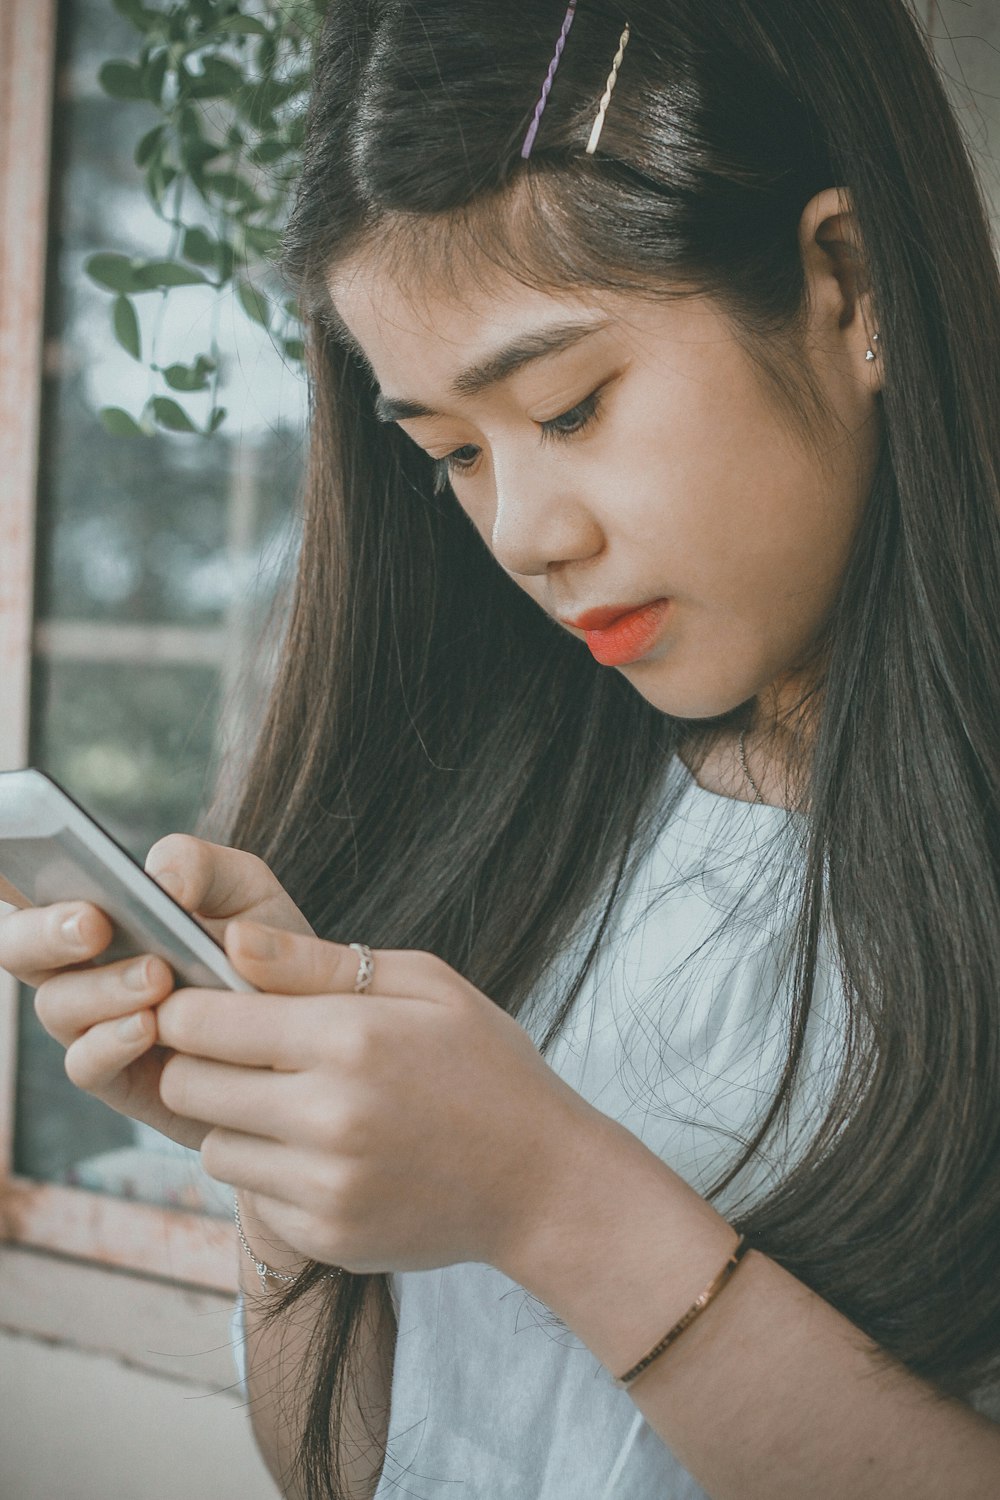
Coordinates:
[839,297]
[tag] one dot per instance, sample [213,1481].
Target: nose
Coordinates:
[540,519]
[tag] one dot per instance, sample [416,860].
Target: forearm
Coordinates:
[771,1394]
[278,1379]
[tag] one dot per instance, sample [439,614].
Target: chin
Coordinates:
[712,707]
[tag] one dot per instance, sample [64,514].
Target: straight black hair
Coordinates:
[435,746]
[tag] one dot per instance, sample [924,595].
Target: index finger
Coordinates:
[39,941]
[256,1031]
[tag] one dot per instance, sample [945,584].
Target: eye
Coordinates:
[566,425]
[569,423]
[453,463]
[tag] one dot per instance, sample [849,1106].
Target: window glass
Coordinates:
[158,561]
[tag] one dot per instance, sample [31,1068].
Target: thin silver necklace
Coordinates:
[743,763]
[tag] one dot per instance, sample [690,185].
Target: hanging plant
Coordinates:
[229,82]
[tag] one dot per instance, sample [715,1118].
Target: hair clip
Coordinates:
[602,108]
[529,139]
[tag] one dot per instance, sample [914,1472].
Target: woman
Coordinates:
[639,710]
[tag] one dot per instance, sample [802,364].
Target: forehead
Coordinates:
[436,323]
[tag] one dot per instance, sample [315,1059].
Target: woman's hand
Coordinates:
[410,1126]
[105,1016]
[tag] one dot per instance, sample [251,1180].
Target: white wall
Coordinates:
[115,1386]
[75,1425]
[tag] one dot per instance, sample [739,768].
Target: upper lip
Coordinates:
[605,615]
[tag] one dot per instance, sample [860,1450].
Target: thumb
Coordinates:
[219,882]
[191,871]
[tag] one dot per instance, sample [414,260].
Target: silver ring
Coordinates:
[366,968]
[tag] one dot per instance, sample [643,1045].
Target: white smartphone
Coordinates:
[52,850]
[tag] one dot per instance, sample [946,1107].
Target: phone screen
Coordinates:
[52,849]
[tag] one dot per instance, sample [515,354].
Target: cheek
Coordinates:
[477,502]
[744,516]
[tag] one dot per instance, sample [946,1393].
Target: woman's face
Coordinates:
[612,451]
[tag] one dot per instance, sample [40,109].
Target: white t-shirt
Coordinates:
[679,1033]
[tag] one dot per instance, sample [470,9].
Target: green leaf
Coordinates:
[189,377]
[119,423]
[197,153]
[225,260]
[296,85]
[231,188]
[142,19]
[154,75]
[218,79]
[242,26]
[126,326]
[171,416]
[264,241]
[295,349]
[149,145]
[269,150]
[258,101]
[177,18]
[204,251]
[267,53]
[122,80]
[190,118]
[254,303]
[115,272]
[203,10]
[159,176]
[200,247]
[157,275]
[216,419]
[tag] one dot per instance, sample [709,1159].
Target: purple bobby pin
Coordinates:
[529,139]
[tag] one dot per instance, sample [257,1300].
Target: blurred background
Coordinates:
[168,404]
[159,554]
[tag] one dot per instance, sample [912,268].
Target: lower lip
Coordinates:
[628,638]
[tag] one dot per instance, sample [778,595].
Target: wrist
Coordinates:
[622,1246]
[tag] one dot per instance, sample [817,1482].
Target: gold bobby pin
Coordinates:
[602,108]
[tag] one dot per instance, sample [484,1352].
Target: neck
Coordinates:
[777,759]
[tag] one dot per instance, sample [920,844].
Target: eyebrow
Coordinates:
[495,367]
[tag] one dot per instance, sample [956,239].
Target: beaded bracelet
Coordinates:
[263,1269]
[695,1310]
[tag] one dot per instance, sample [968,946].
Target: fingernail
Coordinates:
[257,942]
[171,883]
[137,975]
[131,1028]
[71,930]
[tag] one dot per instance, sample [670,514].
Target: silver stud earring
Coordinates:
[873,353]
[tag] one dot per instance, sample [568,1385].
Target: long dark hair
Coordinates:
[435,747]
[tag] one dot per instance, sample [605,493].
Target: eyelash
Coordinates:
[586,411]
